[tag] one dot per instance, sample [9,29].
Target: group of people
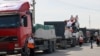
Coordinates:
[98,40]
[72,24]
[91,39]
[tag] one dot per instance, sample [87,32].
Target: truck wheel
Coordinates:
[54,47]
[64,46]
[25,52]
[73,43]
[50,48]
[3,55]
[22,52]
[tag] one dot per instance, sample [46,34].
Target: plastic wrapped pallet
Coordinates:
[39,30]
[68,33]
[44,31]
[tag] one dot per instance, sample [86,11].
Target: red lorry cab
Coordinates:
[15,25]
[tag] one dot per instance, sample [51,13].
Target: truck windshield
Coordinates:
[9,21]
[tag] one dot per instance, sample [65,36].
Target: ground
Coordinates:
[85,50]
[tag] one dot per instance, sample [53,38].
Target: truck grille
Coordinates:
[8,38]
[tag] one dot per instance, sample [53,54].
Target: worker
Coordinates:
[91,40]
[69,23]
[98,40]
[30,44]
[80,41]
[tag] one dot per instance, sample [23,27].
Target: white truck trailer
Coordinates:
[45,38]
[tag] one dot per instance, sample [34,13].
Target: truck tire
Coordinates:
[25,52]
[22,52]
[64,44]
[54,46]
[64,47]
[50,48]
[3,55]
[73,43]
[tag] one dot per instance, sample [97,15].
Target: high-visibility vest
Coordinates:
[30,43]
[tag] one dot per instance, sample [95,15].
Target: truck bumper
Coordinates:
[3,52]
[15,51]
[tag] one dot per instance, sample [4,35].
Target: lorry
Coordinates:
[84,34]
[16,23]
[45,38]
[64,38]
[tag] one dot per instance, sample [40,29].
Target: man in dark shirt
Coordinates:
[91,40]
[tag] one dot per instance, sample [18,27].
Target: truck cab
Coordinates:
[15,25]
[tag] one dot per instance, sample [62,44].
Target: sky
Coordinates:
[88,11]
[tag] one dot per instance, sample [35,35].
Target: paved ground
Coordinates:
[85,50]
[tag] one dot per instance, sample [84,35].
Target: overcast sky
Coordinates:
[60,10]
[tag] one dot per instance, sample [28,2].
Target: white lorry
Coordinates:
[45,38]
[64,35]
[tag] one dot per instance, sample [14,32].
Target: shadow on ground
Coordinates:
[64,52]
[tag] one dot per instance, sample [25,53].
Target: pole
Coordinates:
[33,11]
[89,22]
[91,36]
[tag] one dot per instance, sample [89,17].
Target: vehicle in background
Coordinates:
[64,36]
[84,34]
[45,38]
[95,32]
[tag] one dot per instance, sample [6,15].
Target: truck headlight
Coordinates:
[16,45]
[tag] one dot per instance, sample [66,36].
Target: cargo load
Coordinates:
[44,31]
